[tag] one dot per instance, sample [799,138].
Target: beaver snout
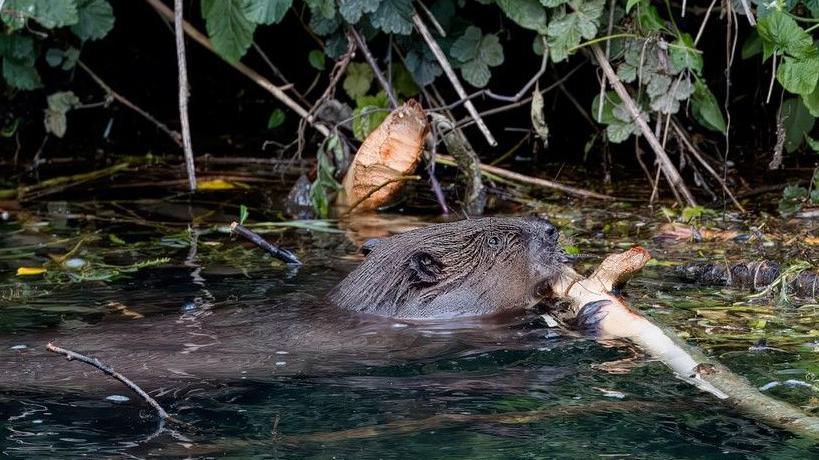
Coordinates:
[542,228]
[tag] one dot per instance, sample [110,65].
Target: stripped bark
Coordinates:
[612,318]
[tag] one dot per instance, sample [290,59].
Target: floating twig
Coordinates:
[108,370]
[450,73]
[282,254]
[274,90]
[183,94]
[666,164]
[511,175]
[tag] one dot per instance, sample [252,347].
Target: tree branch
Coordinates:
[183,94]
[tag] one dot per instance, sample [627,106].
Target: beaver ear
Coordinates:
[425,268]
[369,245]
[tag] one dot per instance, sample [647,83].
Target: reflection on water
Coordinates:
[245,351]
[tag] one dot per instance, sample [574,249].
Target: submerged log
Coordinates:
[758,276]
[596,307]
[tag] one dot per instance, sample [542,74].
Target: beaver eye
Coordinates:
[493,242]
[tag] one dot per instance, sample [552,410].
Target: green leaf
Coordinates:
[48,13]
[779,32]
[358,79]
[630,4]
[422,64]
[402,81]
[322,25]
[811,101]
[705,109]
[316,59]
[553,3]
[243,214]
[323,8]
[619,132]
[752,45]
[369,113]
[529,14]
[610,101]
[266,11]
[567,29]
[476,53]
[684,55]
[476,73]
[352,10]
[59,104]
[21,74]
[650,19]
[799,76]
[812,143]
[466,46]
[797,122]
[95,19]
[393,17]
[229,30]
[276,119]
[792,198]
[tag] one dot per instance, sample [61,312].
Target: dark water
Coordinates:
[454,391]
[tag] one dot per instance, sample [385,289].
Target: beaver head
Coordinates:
[469,268]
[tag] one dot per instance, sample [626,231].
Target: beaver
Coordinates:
[473,267]
[423,294]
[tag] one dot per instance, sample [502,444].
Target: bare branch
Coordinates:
[183,94]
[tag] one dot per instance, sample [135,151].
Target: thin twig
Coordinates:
[746,7]
[282,254]
[379,187]
[175,136]
[668,168]
[450,73]
[368,56]
[511,175]
[274,90]
[72,355]
[183,94]
[681,135]
[463,123]
[704,22]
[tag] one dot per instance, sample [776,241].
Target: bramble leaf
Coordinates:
[684,55]
[95,19]
[266,11]
[528,14]
[393,17]
[422,65]
[48,13]
[21,74]
[567,29]
[352,10]
[369,113]
[229,30]
[358,79]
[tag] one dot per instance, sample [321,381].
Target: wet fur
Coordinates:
[472,267]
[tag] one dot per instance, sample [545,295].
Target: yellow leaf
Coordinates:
[215,184]
[30,271]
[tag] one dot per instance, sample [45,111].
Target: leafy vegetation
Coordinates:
[662,64]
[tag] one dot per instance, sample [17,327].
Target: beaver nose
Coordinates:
[544,227]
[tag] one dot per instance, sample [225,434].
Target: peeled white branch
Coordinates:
[617,320]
